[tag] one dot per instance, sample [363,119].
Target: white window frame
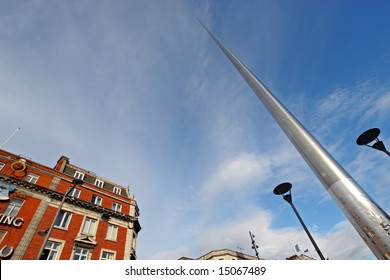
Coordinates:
[99,183]
[112,232]
[97,200]
[65,219]
[117,190]
[79,175]
[75,193]
[116,207]
[13,208]
[109,252]
[81,253]
[89,226]
[31,178]
[2,164]
[55,252]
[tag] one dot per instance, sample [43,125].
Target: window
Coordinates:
[112,232]
[31,178]
[2,164]
[116,207]
[13,207]
[107,255]
[75,193]
[79,175]
[116,190]
[81,254]
[89,226]
[3,233]
[99,183]
[96,200]
[51,251]
[63,219]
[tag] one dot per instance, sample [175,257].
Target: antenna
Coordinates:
[254,246]
[241,249]
[2,145]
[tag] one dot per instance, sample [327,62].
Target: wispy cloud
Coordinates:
[365,101]
[235,175]
[341,242]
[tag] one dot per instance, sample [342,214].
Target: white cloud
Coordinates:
[344,243]
[339,243]
[381,107]
[236,174]
[334,101]
[365,101]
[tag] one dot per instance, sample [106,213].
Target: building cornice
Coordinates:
[105,212]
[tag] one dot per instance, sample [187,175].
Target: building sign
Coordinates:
[11,221]
[6,251]
[5,190]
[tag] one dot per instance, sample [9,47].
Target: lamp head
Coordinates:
[372,135]
[77,182]
[368,136]
[282,188]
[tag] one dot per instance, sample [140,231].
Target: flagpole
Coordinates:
[368,219]
[292,248]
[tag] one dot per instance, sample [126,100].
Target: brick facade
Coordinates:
[98,220]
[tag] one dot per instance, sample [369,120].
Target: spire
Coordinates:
[370,221]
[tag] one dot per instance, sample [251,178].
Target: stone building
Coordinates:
[223,254]
[227,254]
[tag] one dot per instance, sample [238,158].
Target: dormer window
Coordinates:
[117,190]
[99,183]
[79,175]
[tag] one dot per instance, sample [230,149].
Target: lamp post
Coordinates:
[372,135]
[47,232]
[254,246]
[284,189]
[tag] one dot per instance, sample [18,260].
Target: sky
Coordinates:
[137,92]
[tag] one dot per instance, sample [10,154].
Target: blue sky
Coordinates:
[137,92]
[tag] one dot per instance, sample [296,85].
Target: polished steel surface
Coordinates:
[371,222]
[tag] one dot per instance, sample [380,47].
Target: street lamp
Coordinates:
[47,232]
[284,189]
[372,135]
[254,246]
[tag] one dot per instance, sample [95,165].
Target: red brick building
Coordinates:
[98,219]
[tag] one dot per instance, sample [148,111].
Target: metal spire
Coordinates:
[370,221]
